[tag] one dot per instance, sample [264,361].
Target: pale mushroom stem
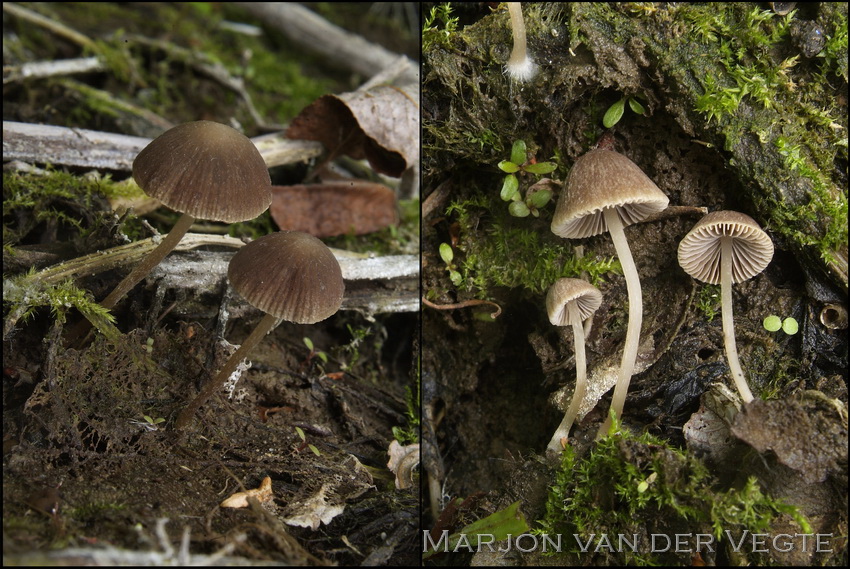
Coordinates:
[153,259]
[265,326]
[627,365]
[563,431]
[518,53]
[728,322]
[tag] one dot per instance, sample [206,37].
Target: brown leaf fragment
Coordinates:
[380,124]
[240,499]
[403,460]
[334,208]
[809,435]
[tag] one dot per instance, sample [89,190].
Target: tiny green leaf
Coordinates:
[314,449]
[772,323]
[518,209]
[790,326]
[300,433]
[455,277]
[540,168]
[309,343]
[159,420]
[636,106]
[510,188]
[322,356]
[148,418]
[518,152]
[446,253]
[614,113]
[540,198]
[509,167]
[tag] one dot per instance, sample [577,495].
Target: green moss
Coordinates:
[638,484]
[438,27]
[502,251]
[708,301]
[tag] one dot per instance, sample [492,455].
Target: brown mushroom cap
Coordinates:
[604,179]
[290,275]
[207,170]
[699,251]
[571,294]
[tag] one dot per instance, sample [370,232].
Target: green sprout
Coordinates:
[448,255]
[790,326]
[314,353]
[537,195]
[615,112]
[773,323]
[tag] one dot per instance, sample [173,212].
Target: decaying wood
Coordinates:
[42,69]
[312,32]
[373,284]
[60,146]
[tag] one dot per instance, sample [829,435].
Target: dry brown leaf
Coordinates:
[403,459]
[334,208]
[380,124]
[316,510]
[240,499]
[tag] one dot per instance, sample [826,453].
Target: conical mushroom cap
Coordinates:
[290,275]
[699,250]
[599,180]
[207,170]
[566,295]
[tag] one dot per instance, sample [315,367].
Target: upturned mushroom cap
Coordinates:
[604,179]
[571,294]
[207,170]
[699,251]
[290,275]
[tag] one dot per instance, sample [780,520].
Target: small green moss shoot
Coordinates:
[438,27]
[629,483]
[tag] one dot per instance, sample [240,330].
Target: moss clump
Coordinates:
[498,250]
[634,485]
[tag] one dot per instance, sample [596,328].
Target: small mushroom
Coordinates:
[520,66]
[606,191]
[726,247]
[570,302]
[290,276]
[204,170]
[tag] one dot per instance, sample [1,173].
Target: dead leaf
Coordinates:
[315,510]
[380,124]
[240,499]
[403,459]
[334,208]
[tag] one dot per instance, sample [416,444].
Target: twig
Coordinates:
[53,26]
[42,69]
[463,304]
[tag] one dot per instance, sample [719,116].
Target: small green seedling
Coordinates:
[615,112]
[790,326]
[304,442]
[447,254]
[773,323]
[149,422]
[313,353]
[536,197]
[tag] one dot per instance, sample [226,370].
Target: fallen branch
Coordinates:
[60,146]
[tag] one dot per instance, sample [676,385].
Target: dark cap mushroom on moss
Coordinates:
[606,191]
[570,302]
[289,275]
[203,170]
[726,247]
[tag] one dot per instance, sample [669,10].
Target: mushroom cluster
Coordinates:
[204,170]
[726,247]
[290,276]
[606,191]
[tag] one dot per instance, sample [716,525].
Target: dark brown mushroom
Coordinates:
[290,276]
[606,191]
[204,170]
[726,247]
